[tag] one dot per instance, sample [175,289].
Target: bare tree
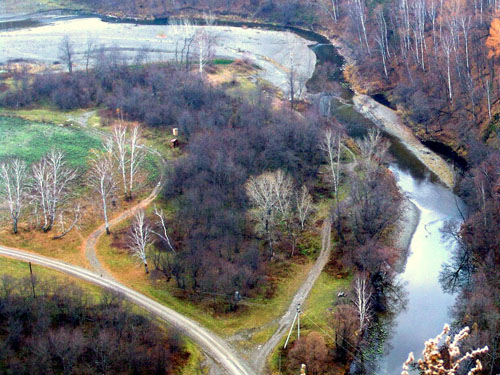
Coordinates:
[183,31]
[64,228]
[140,238]
[89,52]
[66,52]
[373,147]
[119,149]
[446,44]
[102,180]
[330,7]
[204,43]
[51,181]
[304,205]
[136,156]
[271,195]
[362,301]
[162,223]
[358,8]
[331,146]
[13,186]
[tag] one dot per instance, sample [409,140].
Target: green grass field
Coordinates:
[30,140]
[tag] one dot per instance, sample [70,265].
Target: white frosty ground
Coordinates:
[271,50]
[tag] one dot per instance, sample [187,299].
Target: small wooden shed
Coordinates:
[174,143]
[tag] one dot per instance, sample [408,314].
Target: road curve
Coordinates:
[210,343]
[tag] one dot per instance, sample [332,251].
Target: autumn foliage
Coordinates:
[493,41]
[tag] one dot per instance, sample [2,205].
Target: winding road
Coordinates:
[213,345]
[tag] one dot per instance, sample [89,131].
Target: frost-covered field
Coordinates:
[273,51]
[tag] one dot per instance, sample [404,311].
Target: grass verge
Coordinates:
[254,322]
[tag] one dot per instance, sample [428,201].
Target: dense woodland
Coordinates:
[51,329]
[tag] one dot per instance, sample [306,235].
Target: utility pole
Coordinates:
[32,281]
[296,318]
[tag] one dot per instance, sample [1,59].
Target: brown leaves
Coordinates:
[493,41]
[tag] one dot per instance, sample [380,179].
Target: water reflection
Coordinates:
[428,305]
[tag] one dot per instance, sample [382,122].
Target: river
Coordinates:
[427,307]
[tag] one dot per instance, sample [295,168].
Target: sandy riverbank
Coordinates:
[405,229]
[390,121]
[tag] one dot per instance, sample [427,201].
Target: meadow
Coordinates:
[29,141]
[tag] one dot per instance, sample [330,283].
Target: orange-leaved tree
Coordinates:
[493,41]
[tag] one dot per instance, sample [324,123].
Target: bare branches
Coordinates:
[162,223]
[277,204]
[445,359]
[66,52]
[140,238]
[304,205]
[373,147]
[137,155]
[13,185]
[204,43]
[119,139]
[331,145]
[76,218]
[52,179]
[362,301]
[102,180]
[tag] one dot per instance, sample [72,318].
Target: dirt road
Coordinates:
[208,341]
[299,298]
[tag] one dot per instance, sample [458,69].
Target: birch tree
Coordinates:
[136,157]
[330,7]
[331,146]
[140,238]
[270,194]
[51,181]
[102,180]
[204,43]
[362,301]
[446,45]
[359,9]
[278,206]
[162,223]
[13,188]
[119,149]
[304,205]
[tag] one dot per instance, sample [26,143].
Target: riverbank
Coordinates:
[404,231]
[389,121]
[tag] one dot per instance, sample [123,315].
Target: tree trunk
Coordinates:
[14,225]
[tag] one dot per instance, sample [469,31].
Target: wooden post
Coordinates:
[32,281]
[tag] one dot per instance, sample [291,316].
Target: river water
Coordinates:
[427,307]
